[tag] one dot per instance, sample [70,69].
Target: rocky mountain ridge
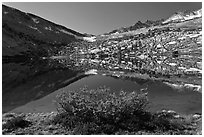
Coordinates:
[184,16]
[178,17]
[136,26]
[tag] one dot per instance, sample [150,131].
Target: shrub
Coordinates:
[106,111]
[16,122]
[102,112]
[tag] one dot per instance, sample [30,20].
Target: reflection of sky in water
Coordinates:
[160,95]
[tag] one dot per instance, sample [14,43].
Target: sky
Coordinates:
[101,17]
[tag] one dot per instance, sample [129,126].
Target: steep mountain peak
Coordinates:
[181,16]
[199,12]
[138,22]
[136,26]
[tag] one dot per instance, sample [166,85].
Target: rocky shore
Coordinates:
[41,124]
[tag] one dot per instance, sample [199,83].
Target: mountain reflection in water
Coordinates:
[32,87]
[24,82]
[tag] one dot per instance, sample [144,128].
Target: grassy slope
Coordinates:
[23,32]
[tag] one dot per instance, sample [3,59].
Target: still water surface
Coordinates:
[33,88]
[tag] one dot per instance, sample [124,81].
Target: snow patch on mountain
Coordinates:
[66,32]
[193,35]
[182,16]
[89,39]
[172,42]
[48,28]
[172,64]
[94,50]
[35,20]
[181,68]
[35,28]
[194,69]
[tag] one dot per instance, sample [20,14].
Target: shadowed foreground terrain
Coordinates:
[101,112]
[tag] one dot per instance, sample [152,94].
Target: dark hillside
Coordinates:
[23,32]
